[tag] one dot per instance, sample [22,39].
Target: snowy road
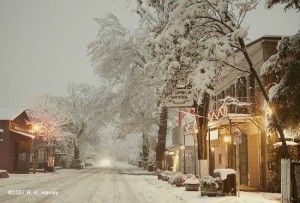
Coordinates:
[92,184]
[115,183]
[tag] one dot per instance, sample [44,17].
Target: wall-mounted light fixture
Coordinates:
[227,138]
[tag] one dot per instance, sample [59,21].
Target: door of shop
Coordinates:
[244,161]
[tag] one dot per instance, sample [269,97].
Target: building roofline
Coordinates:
[265,37]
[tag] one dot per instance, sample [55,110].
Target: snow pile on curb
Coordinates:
[3,174]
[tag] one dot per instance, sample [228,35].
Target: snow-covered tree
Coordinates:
[289,4]
[119,58]
[196,41]
[85,107]
[46,114]
[282,74]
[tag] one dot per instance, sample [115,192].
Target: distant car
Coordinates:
[88,164]
[77,164]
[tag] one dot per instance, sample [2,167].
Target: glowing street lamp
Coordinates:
[269,111]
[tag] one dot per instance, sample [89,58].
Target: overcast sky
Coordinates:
[43,42]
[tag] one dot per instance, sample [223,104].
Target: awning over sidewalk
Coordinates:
[233,118]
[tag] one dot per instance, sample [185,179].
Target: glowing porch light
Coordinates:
[227,138]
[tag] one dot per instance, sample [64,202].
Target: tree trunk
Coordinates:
[202,126]
[162,133]
[145,147]
[262,89]
[76,151]
[76,144]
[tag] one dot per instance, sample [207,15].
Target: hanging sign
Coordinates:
[237,137]
[181,97]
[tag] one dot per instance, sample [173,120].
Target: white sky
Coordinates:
[43,42]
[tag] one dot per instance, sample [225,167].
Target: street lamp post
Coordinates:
[35,130]
[195,150]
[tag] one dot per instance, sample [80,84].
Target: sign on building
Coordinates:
[237,137]
[181,97]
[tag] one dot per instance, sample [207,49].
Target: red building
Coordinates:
[15,141]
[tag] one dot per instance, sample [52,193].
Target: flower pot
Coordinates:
[191,187]
[165,178]
[210,191]
[179,184]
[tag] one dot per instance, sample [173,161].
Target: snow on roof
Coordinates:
[224,172]
[287,143]
[10,113]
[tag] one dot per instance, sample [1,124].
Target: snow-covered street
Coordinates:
[114,183]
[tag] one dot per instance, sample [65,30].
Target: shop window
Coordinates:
[40,156]
[22,156]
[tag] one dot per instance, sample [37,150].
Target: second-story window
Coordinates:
[232,91]
[242,89]
[231,108]
[214,102]
[222,95]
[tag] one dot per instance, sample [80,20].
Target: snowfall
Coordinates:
[108,182]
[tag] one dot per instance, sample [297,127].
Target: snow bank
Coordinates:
[224,172]
[3,174]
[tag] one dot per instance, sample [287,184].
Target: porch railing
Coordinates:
[232,105]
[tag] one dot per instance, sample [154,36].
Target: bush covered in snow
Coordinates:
[177,177]
[209,181]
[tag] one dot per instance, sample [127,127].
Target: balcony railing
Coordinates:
[232,105]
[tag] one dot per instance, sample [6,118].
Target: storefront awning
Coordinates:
[23,133]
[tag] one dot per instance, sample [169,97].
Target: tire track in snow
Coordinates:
[69,185]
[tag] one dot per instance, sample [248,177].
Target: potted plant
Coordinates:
[209,185]
[177,179]
[158,173]
[192,184]
[164,176]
